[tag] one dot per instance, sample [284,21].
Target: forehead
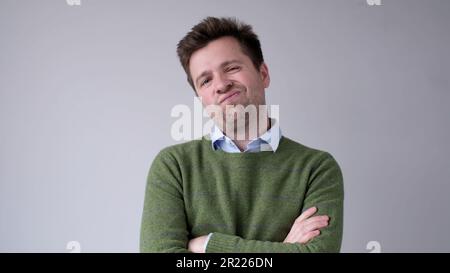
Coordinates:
[214,54]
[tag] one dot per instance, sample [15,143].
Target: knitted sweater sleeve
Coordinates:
[163,227]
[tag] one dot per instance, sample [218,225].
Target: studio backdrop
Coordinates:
[87,90]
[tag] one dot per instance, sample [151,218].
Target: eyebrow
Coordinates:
[226,63]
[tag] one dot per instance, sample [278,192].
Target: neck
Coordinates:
[243,135]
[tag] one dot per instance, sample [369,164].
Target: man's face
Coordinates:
[224,75]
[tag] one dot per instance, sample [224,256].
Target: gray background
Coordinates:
[86,93]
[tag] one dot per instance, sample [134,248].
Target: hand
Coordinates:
[197,245]
[306,227]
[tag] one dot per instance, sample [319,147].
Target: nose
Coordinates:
[223,84]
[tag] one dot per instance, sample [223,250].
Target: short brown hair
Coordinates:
[212,28]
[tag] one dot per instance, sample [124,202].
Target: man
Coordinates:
[237,192]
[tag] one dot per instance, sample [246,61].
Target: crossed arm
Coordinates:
[304,229]
[309,232]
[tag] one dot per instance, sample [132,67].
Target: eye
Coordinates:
[233,68]
[204,82]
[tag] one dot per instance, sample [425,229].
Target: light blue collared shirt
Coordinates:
[268,141]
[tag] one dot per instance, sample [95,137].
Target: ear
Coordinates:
[264,73]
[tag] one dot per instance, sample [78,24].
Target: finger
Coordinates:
[300,229]
[304,225]
[306,214]
[309,236]
[315,225]
[318,218]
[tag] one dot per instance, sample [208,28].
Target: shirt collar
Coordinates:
[271,138]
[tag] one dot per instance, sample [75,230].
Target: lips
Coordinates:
[230,96]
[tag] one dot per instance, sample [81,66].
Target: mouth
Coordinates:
[231,96]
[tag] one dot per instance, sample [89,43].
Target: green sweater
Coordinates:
[248,200]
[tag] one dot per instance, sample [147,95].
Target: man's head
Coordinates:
[224,63]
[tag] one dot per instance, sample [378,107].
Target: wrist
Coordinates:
[197,245]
